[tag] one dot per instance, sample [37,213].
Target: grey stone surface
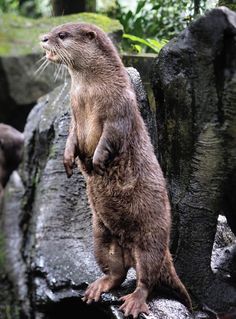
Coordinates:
[223,259]
[194,81]
[11,218]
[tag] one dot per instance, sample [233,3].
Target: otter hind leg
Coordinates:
[148,265]
[109,256]
[169,277]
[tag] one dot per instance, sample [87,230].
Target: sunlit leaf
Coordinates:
[151,43]
[140,6]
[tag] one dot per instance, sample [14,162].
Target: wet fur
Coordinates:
[125,184]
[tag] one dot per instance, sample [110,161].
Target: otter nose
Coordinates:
[44,38]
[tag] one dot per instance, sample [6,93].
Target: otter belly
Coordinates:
[125,208]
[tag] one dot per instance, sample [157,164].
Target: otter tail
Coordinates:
[170,278]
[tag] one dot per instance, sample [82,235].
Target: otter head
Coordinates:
[74,44]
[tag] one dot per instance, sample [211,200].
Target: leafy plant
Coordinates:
[153,44]
[152,21]
[30,8]
[9,5]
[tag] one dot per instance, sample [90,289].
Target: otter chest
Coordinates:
[88,124]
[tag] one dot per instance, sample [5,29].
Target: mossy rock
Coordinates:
[231,4]
[20,35]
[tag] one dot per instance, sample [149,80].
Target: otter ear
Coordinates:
[91,35]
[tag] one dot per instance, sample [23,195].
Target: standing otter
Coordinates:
[125,184]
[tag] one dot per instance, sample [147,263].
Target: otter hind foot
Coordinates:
[95,289]
[134,304]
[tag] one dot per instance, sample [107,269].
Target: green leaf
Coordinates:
[158,44]
[151,43]
[135,38]
[128,16]
[140,6]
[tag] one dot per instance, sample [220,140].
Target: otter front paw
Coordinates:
[69,164]
[99,167]
[100,162]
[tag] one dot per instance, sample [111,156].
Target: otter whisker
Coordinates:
[65,57]
[63,73]
[59,53]
[41,68]
[41,59]
[55,70]
[58,72]
[61,56]
[46,65]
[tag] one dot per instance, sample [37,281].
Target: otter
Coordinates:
[125,184]
[11,149]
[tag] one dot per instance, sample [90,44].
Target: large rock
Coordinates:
[19,59]
[194,82]
[47,223]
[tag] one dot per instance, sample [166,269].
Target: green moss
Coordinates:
[20,35]
[228,3]
[52,152]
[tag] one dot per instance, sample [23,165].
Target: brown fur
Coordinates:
[125,184]
[11,146]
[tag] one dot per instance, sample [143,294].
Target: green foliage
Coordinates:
[150,43]
[35,8]
[9,5]
[153,22]
[29,8]
[151,18]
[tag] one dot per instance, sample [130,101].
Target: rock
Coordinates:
[47,223]
[147,112]
[19,59]
[143,63]
[228,3]
[194,81]
[14,263]
[11,146]
[223,259]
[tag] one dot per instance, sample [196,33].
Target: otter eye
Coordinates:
[62,35]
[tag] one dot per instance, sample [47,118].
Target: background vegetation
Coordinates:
[148,24]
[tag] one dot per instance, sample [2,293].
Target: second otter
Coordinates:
[125,184]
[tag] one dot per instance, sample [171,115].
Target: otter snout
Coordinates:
[49,48]
[44,38]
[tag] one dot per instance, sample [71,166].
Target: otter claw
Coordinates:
[69,165]
[69,172]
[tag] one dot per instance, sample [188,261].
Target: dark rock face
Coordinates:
[47,222]
[17,76]
[194,82]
